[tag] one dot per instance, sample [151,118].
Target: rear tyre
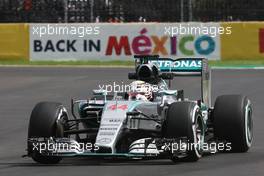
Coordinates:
[48,119]
[184,119]
[232,120]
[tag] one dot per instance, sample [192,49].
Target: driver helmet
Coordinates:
[140,90]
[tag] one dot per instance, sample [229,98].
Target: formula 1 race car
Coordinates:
[148,121]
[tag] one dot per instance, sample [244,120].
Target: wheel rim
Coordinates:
[248,125]
[198,134]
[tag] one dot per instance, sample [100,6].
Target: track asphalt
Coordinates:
[22,88]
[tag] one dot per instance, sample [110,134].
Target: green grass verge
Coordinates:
[68,63]
[238,63]
[229,63]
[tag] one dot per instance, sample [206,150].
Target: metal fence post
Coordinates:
[190,10]
[66,11]
[91,11]
[182,11]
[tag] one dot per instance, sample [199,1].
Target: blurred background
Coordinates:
[61,11]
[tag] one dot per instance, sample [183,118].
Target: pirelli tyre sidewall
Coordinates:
[184,119]
[48,119]
[232,121]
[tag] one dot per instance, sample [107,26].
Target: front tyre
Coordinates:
[184,119]
[48,119]
[232,120]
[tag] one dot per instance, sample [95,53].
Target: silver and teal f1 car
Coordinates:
[168,126]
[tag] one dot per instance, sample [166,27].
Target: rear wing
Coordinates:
[183,67]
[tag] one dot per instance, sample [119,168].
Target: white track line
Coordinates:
[237,68]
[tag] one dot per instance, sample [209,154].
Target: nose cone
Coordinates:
[111,123]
